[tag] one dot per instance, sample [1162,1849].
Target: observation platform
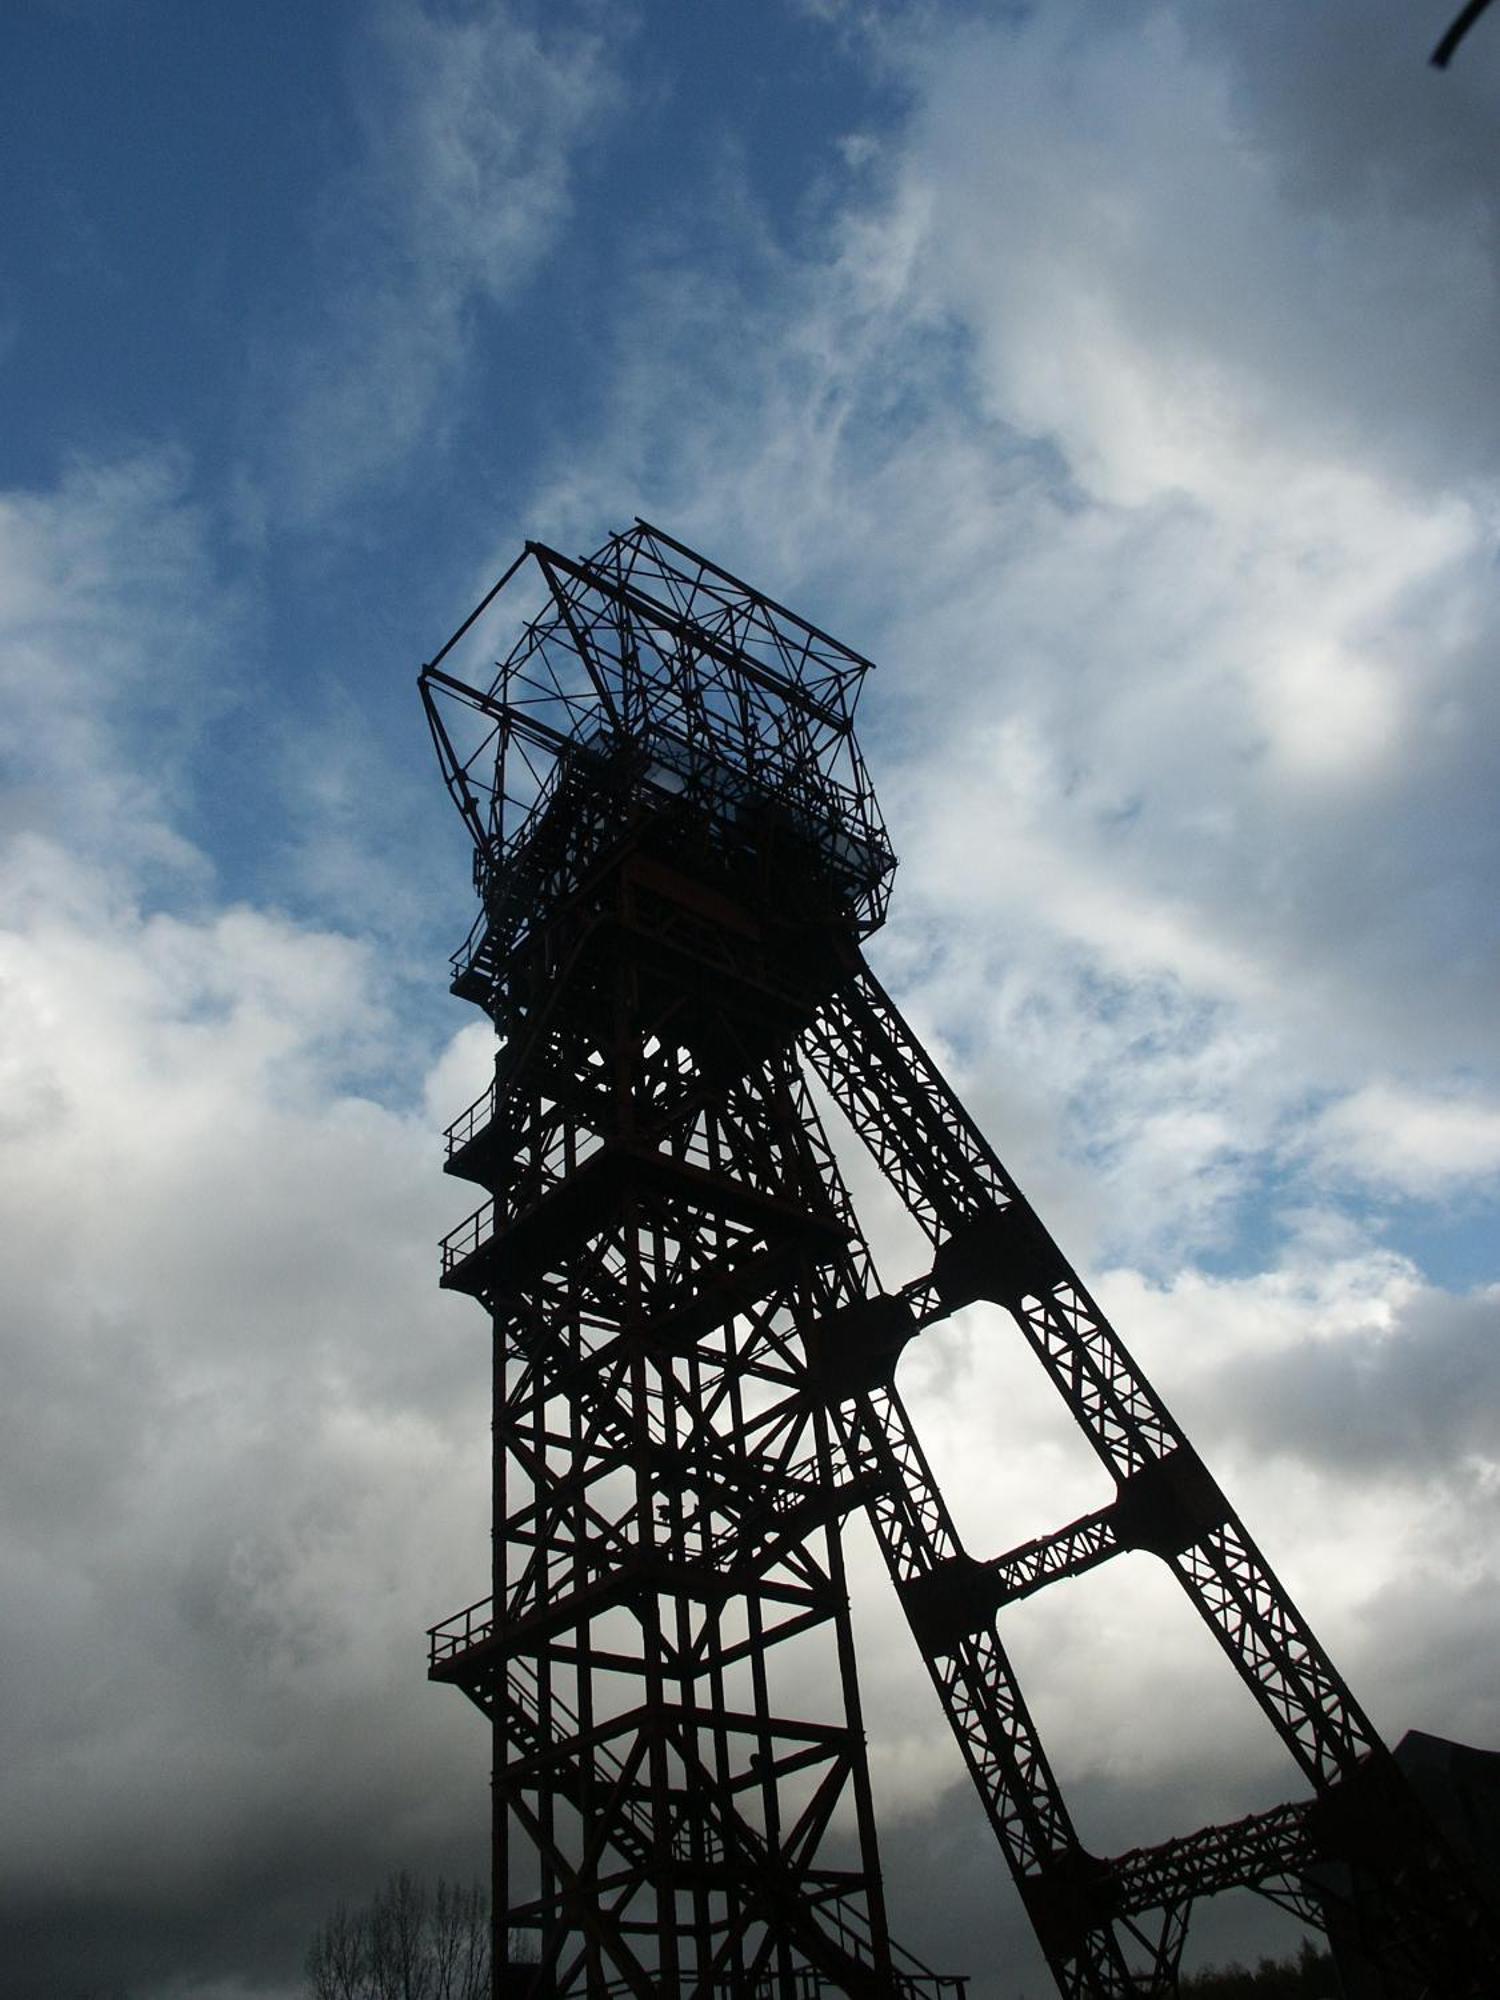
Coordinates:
[490,1250]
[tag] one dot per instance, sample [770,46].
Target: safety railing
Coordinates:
[534,1173]
[470,1122]
[471,1235]
[466,1628]
[801,1983]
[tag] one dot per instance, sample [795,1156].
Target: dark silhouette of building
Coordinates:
[1459,1789]
[678,856]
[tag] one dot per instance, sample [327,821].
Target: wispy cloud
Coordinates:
[112,622]
[470,125]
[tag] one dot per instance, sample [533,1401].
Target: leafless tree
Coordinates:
[338,1957]
[460,1934]
[404,1944]
[399,1957]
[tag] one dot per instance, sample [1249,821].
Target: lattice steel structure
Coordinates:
[678,856]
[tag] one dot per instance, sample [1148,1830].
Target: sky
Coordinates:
[1122,379]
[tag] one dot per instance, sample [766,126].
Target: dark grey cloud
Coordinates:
[241,1453]
[1357,128]
[1415,1397]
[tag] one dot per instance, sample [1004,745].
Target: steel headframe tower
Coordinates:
[678,856]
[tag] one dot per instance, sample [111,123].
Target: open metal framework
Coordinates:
[678,856]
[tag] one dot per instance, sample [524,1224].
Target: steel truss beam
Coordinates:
[1434,1936]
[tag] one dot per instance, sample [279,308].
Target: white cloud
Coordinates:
[1407,1142]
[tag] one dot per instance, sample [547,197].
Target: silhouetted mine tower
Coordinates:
[678,855]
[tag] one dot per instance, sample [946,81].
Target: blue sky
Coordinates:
[1122,380]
